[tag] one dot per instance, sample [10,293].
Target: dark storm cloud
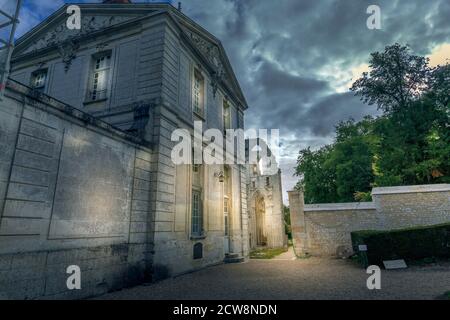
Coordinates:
[294,58]
[335,108]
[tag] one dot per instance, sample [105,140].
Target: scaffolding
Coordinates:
[9,14]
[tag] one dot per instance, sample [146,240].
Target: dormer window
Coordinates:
[100,77]
[198,98]
[39,79]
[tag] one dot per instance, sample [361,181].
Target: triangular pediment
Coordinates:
[213,51]
[97,18]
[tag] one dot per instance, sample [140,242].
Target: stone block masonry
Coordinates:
[73,191]
[324,229]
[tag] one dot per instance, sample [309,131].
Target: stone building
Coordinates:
[265,203]
[86,174]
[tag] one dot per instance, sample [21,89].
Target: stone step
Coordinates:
[233,258]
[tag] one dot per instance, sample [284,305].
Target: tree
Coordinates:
[317,175]
[396,78]
[287,221]
[408,144]
[440,86]
[335,173]
[414,98]
[353,157]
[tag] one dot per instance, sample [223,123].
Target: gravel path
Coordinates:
[311,278]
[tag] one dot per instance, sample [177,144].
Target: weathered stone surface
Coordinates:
[324,229]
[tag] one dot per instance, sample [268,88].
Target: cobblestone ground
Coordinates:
[311,278]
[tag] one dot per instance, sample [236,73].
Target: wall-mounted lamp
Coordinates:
[220,175]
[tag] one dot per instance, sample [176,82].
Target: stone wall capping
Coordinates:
[340,206]
[412,189]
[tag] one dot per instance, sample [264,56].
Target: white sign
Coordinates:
[395,264]
[362,247]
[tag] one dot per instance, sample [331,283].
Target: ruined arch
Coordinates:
[260,220]
[258,230]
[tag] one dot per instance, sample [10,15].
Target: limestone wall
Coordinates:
[73,191]
[267,189]
[324,229]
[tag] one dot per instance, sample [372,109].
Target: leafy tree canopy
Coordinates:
[409,144]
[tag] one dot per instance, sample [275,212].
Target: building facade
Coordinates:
[90,177]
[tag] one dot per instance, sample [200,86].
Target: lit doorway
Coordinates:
[260,212]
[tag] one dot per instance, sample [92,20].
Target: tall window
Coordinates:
[100,77]
[197,216]
[39,79]
[226,115]
[226,211]
[198,93]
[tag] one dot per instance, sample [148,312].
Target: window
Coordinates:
[197,215]
[198,93]
[196,168]
[99,81]
[226,211]
[267,182]
[39,79]
[226,115]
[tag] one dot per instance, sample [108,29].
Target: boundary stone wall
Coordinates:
[324,229]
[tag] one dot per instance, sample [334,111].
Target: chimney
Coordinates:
[117,1]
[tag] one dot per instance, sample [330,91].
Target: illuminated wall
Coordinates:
[73,191]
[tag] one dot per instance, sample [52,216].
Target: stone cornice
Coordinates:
[58,108]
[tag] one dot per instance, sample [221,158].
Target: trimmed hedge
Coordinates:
[408,244]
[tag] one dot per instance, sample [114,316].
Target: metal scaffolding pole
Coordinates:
[7,41]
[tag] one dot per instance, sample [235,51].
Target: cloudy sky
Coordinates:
[296,59]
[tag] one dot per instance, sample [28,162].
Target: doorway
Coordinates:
[260,213]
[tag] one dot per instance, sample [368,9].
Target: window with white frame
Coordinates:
[198,93]
[197,214]
[100,75]
[39,79]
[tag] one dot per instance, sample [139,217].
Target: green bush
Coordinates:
[408,244]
